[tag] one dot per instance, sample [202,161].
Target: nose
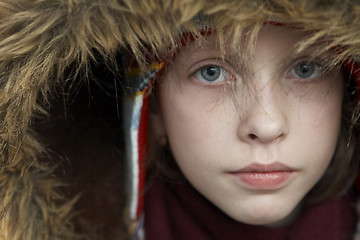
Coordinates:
[264,119]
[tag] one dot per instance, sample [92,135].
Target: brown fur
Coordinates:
[40,39]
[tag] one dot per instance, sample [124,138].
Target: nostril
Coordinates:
[252,136]
[262,138]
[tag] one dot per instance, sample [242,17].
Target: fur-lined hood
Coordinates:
[45,44]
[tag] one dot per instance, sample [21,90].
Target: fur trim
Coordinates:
[40,39]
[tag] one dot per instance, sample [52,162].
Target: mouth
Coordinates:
[264,176]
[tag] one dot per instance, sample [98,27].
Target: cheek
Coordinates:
[322,116]
[185,127]
[194,127]
[316,128]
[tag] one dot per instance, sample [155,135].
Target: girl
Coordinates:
[253,133]
[241,116]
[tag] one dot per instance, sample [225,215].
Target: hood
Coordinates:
[45,44]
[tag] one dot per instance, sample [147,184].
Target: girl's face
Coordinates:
[256,150]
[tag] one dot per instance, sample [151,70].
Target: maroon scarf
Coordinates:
[178,211]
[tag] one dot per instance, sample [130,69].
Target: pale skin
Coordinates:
[287,114]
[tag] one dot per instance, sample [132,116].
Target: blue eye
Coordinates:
[211,74]
[305,70]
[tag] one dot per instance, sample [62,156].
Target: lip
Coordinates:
[264,176]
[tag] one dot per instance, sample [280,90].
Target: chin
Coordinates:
[271,219]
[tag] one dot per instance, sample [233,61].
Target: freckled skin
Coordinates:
[279,117]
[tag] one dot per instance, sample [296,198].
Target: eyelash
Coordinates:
[315,67]
[225,75]
[218,74]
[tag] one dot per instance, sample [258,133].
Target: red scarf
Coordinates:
[179,212]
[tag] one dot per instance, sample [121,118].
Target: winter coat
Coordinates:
[62,167]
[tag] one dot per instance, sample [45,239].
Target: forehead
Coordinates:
[279,41]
